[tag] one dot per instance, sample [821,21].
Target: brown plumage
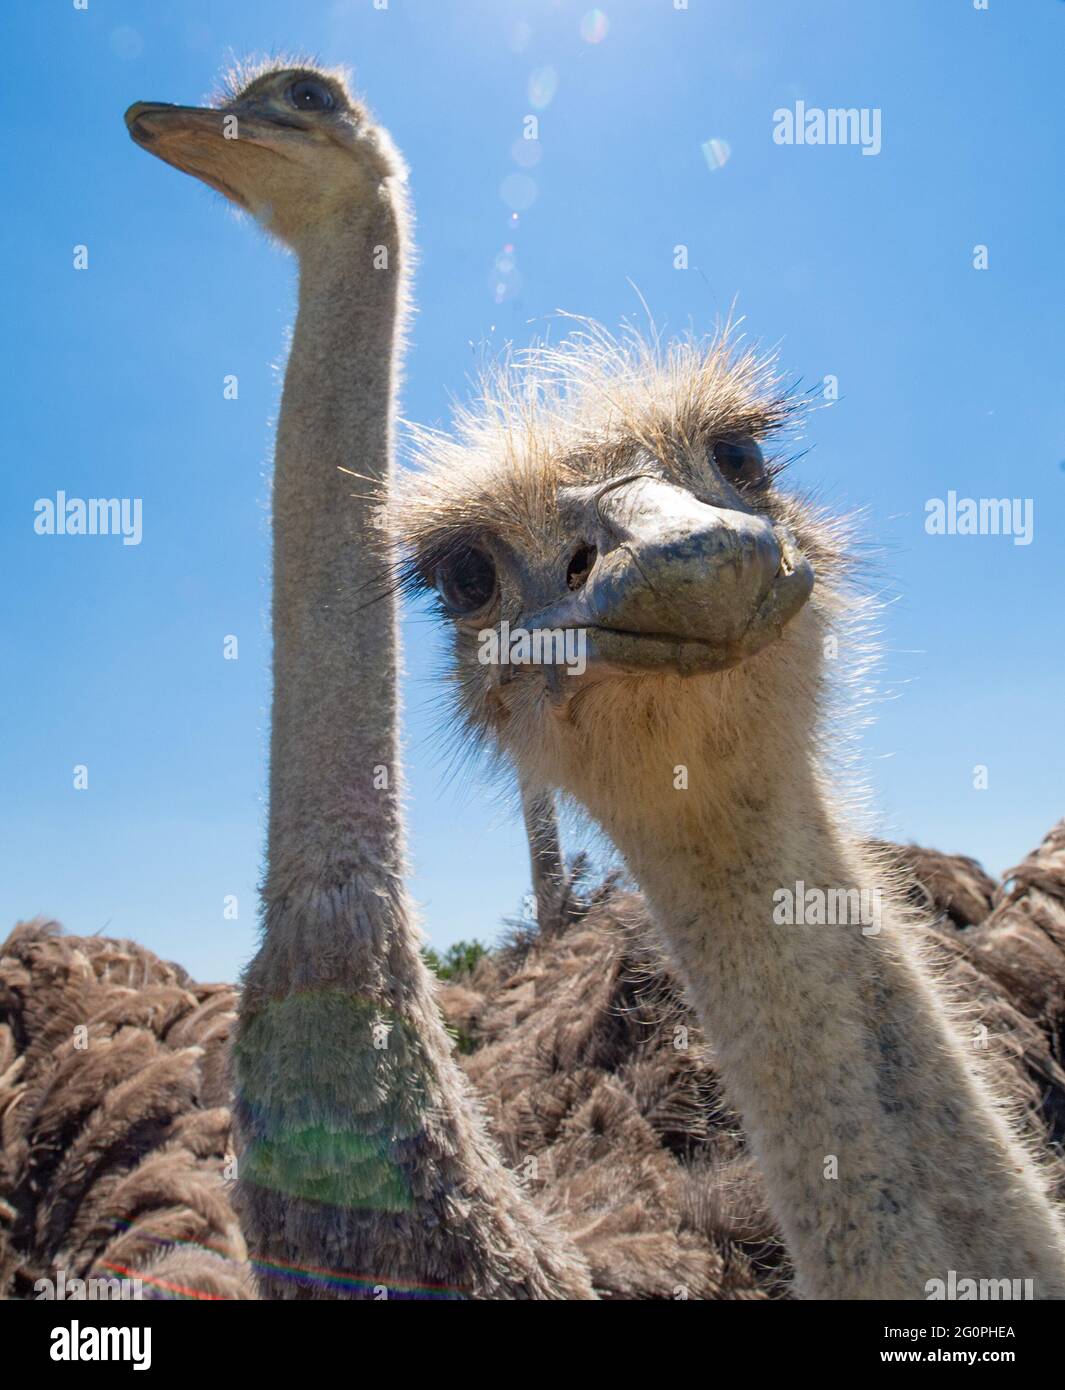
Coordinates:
[114,1120]
[597,1083]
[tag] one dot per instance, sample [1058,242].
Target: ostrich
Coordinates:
[364,1164]
[619,491]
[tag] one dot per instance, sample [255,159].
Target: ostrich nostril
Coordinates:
[580,566]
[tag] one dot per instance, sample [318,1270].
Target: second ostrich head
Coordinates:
[629,495]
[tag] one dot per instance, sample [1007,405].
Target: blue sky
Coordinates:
[857,267]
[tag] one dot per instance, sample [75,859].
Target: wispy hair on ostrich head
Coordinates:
[242,74]
[585,410]
[579,411]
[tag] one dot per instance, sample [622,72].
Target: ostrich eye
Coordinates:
[466,581]
[309,95]
[740,461]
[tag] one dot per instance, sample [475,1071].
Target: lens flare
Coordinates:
[518,191]
[525,152]
[520,34]
[126,43]
[543,84]
[594,26]
[716,152]
[504,279]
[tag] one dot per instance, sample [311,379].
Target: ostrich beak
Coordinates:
[213,146]
[678,583]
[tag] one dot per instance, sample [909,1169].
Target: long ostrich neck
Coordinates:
[333,793]
[886,1161]
[364,1164]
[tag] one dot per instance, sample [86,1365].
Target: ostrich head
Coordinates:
[629,495]
[289,144]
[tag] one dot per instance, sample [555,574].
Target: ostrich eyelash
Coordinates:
[411,576]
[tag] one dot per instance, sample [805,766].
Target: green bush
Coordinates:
[459,959]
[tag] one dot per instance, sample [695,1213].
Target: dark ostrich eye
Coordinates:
[466,581]
[309,95]
[741,462]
